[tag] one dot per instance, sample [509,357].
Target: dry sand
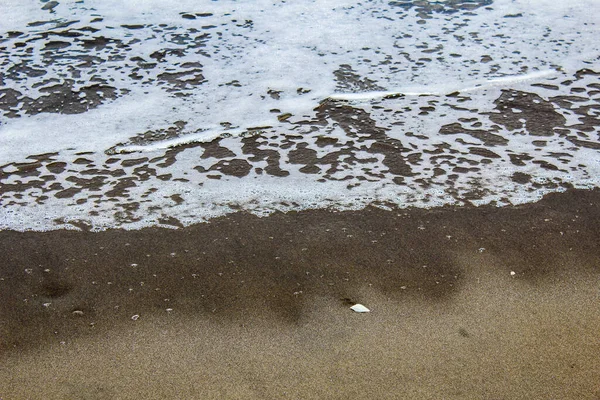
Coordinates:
[467,303]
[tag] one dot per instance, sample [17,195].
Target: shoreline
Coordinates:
[467,302]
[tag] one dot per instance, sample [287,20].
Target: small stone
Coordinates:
[512,273]
[359,308]
[78,313]
[135,317]
[50,5]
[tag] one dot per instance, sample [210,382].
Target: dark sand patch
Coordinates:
[466,303]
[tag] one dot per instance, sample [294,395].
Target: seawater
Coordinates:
[142,113]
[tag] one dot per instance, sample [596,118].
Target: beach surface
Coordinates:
[466,303]
[194,195]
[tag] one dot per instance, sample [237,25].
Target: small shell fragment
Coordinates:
[135,317]
[359,308]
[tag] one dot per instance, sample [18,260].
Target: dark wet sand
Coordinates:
[469,303]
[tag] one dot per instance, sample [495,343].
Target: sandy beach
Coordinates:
[466,303]
[194,195]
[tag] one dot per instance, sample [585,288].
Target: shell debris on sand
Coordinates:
[359,308]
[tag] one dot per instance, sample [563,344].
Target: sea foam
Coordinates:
[146,113]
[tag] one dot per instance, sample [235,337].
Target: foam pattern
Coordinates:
[145,114]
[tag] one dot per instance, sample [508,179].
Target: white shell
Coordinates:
[359,308]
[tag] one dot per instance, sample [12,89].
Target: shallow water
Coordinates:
[154,114]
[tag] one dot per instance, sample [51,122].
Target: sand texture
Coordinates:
[466,303]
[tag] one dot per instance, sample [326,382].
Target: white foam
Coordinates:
[281,58]
[440,90]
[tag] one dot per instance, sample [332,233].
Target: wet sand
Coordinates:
[467,303]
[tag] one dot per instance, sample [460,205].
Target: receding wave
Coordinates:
[173,115]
